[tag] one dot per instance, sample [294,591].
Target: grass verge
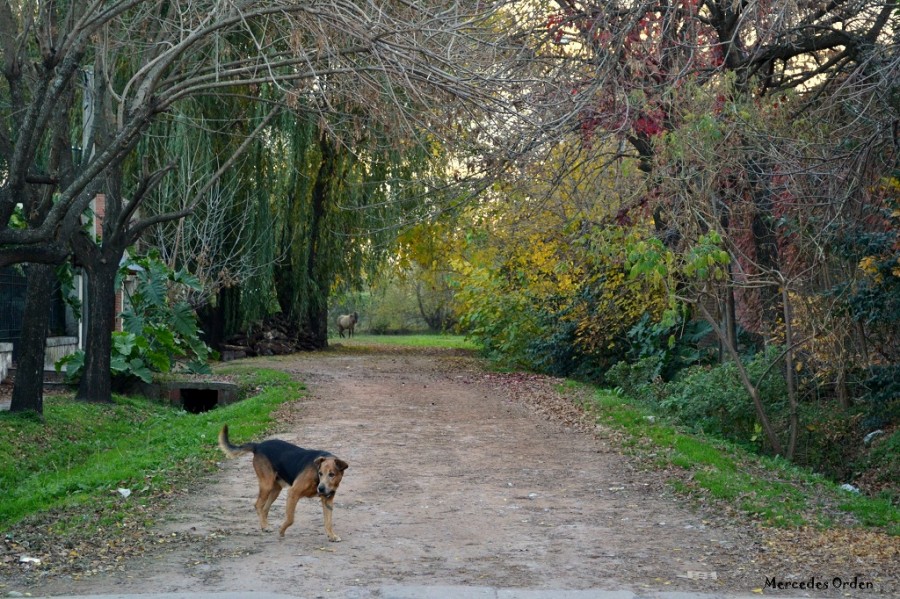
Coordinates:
[769,490]
[73,463]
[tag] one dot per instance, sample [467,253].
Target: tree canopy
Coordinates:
[741,160]
[113,98]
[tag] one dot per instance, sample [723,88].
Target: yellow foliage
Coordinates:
[620,302]
[869,266]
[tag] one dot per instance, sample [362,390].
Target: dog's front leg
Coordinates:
[327,511]
[289,508]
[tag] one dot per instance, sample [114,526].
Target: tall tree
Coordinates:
[38,200]
[734,111]
[394,60]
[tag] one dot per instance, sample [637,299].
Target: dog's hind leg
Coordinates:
[269,488]
[264,502]
[327,512]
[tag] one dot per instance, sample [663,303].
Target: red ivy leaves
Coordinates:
[655,52]
[648,125]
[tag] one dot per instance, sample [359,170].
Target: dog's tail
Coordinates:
[233,450]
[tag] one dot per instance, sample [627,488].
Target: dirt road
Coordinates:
[457,477]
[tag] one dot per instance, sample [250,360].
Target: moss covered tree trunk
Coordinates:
[96,379]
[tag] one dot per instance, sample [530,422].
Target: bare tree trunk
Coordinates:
[841,388]
[421,305]
[728,322]
[789,371]
[771,437]
[28,393]
[730,311]
[315,320]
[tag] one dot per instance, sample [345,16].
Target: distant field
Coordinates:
[445,341]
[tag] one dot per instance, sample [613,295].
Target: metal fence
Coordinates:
[13,283]
[12,303]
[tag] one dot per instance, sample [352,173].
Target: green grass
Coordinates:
[877,511]
[424,340]
[770,490]
[83,452]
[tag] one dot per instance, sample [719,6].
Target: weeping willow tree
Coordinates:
[313,207]
[340,190]
[228,241]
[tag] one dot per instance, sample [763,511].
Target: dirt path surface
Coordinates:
[457,477]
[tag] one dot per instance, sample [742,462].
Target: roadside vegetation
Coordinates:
[771,491]
[98,465]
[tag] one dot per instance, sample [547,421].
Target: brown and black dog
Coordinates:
[304,472]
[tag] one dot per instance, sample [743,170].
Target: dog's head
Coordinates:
[331,471]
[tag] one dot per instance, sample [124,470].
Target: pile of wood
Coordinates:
[275,336]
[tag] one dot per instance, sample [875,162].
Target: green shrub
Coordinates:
[877,466]
[500,322]
[828,440]
[882,396]
[557,352]
[160,330]
[640,379]
[676,346]
[712,399]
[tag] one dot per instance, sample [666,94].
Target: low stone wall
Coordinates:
[57,348]
[5,359]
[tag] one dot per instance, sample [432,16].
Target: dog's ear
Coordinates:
[318,460]
[342,464]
